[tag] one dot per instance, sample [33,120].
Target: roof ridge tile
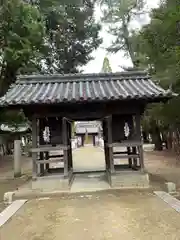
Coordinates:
[33,79]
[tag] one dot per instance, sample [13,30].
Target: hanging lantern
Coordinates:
[126,130]
[46,135]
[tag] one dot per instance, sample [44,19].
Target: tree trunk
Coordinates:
[178,143]
[164,139]
[156,139]
[145,137]
[8,76]
[169,140]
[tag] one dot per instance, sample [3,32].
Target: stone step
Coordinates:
[129,179]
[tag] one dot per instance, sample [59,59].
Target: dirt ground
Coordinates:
[7,182]
[101,216]
[162,167]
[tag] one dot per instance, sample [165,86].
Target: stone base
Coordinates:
[129,179]
[52,183]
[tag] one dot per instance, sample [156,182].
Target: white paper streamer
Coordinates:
[46,135]
[126,130]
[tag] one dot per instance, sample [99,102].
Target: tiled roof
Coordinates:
[49,89]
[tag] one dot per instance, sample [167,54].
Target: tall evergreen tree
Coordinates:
[119,14]
[159,41]
[22,32]
[72,35]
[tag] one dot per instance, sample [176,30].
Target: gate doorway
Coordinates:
[88,155]
[88,158]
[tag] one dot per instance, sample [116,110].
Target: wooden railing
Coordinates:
[48,148]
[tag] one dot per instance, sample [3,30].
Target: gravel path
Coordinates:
[101,216]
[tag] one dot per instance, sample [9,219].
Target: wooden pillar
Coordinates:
[70,156]
[70,160]
[47,158]
[94,140]
[17,158]
[141,157]
[82,140]
[41,142]
[46,153]
[34,145]
[134,152]
[140,148]
[129,159]
[110,148]
[105,144]
[65,143]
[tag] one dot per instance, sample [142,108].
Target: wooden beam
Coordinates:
[127,143]
[117,152]
[48,161]
[49,148]
[126,156]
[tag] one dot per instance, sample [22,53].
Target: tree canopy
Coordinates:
[119,15]
[159,41]
[21,39]
[156,48]
[72,35]
[45,37]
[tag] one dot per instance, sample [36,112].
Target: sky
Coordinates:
[118,59]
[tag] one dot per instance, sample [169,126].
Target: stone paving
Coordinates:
[90,182]
[88,158]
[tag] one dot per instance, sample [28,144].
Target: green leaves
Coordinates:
[159,44]
[119,15]
[72,36]
[45,36]
[22,31]
[160,38]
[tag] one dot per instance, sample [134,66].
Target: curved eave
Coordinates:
[144,99]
